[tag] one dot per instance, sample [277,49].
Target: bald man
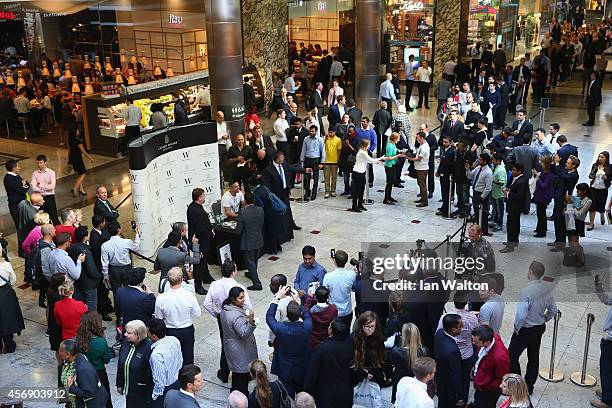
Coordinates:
[237,400]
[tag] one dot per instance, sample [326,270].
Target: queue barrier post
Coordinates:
[551,374]
[581,378]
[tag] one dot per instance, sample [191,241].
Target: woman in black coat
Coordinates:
[134,357]
[276,229]
[85,384]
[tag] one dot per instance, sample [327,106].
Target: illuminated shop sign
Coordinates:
[175,20]
[7,15]
[321,6]
[412,5]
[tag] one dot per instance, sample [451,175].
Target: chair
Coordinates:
[24,121]
[216,208]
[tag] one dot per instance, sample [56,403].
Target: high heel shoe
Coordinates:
[83,193]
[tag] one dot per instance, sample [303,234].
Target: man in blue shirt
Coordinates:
[313,154]
[387,93]
[366,132]
[341,282]
[309,271]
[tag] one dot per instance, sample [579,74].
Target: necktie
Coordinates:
[453,123]
[107,206]
[282,175]
[333,101]
[476,178]
[552,139]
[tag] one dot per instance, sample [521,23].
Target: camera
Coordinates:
[355,262]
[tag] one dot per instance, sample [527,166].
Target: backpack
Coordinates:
[34,264]
[277,204]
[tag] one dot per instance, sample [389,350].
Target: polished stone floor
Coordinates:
[326,225]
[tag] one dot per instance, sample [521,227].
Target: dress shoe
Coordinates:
[356,210]
[421,205]
[440,212]
[42,304]
[398,185]
[400,181]
[326,195]
[388,202]
[599,404]
[507,249]
[255,287]
[393,200]
[223,378]
[371,185]
[296,227]
[306,198]
[587,124]
[107,318]
[539,236]
[313,197]
[363,208]
[201,291]
[345,193]
[430,195]
[333,194]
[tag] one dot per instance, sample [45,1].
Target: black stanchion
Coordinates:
[551,374]
[581,378]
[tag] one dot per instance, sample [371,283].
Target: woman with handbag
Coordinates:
[543,195]
[359,175]
[11,319]
[601,176]
[266,394]
[578,207]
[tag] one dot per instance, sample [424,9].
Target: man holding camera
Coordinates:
[340,283]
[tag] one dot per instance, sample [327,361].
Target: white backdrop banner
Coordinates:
[165,167]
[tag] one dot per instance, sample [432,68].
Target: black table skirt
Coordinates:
[223,236]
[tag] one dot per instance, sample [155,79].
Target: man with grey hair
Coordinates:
[237,400]
[304,400]
[177,307]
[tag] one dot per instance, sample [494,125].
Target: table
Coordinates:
[227,235]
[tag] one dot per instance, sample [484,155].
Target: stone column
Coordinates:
[265,39]
[224,36]
[367,54]
[447,38]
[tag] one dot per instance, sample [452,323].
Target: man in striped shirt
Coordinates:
[166,360]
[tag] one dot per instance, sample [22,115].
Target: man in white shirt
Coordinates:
[132,115]
[166,361]
[202,101]
[412,391]
[217,293]
[449,69]
[336,69]
[334,91]
[223,137]
[116,259]
[177,307]
[291,86]
[387,92]
[551,138]
[421,165]
[43,182]
[232,201]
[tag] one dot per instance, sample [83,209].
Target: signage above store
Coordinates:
[175,20]
[7,15]
[412,5]
[321,6]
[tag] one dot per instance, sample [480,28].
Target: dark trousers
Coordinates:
[105,305]
[445,183]
[14,215]
[186,337]
[560,231]
[409,86]
[8,342]
[240,382]
[605,370]
[466,369]
[241,175]
[347,319]
[43,285]
[51,208]
[541,228]
[90,298]
[118,276]
[481,210]
[389,105]
[475,67]
[311,163]
[201,274]
[423,94]
[431,181]
[370,171]
[347,181]
[159,402]
[103,376]
[390,181]
[498,211]
[463,197]
[223,367]
[282,147]
[358,189]
[399,166]
[486,399]
[131,133]
[513,225]
[250,260]
[422,182]
[499,118]
[528,338]
[591,113]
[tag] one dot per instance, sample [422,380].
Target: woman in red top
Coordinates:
[68,312]
[515,387]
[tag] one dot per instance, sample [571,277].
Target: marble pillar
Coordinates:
[264,25]
[367,54]
[448,21]
[224,35]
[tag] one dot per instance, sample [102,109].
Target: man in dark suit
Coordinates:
[250,221]
[448,363]
[525,155]
[331,362]
[136,301]
[382,121]
[278,178]
[521,128]
[316,101]
[295,137]
[453,127]
[521,77]
[354,113]
[103,207]
[593,98]
[445,170]
[91,276]
[96,239]
[171,255]
[566,180]
[518,202]
[249,94]
[291,352]
[16,188]
[565,150]
[200,227]
[334,116]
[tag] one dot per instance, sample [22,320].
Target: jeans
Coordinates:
[463,197]
[90,298]
[498,211]
[528,338]
[330,175]
[347,181]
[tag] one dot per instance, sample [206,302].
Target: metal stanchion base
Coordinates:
[557,376]
[589,380]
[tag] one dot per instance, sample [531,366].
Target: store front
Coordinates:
[529,26]
[409,31]
[493,22]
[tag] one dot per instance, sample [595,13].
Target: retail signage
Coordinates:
[412,5]
[7,15]
[232,112]
[321,6]
[175,20]
[167,165]
[111,89]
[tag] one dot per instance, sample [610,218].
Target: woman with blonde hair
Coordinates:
[515,387]
[68,312]
[266,394]
[40,219]
[402,356]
